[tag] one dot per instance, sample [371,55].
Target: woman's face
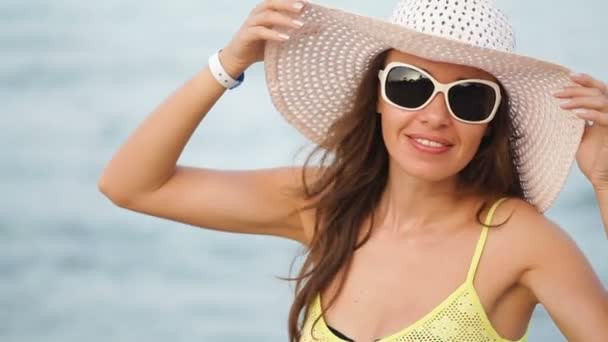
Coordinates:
[406,132]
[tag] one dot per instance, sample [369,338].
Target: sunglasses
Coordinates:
[472,101]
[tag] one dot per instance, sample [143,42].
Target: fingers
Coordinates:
[592,115]
[261,32]
[272,13]
[588,97]
[589,102]
[293,6]
[274,18]
[248,43]
[590,82]
[577,91]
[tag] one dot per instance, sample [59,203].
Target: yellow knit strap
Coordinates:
[482,239]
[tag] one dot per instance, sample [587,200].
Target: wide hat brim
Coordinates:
[313,76]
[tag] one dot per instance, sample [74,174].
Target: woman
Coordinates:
[441,150]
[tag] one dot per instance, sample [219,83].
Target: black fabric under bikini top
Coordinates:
[341,335]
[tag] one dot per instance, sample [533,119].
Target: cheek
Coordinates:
[470,140]
[393,119]
[393,122]
[382,106]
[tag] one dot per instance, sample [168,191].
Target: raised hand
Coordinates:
[247,45]
[589,100]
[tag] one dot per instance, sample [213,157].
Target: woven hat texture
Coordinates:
[312,77]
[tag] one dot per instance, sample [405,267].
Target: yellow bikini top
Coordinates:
[460,317]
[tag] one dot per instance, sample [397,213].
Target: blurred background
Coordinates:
[76,77]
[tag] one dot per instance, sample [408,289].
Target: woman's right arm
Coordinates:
[143,175]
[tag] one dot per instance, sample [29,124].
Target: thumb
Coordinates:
[588,130]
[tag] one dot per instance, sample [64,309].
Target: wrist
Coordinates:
[223,76]
[233,68]
[601,194]
[600,188]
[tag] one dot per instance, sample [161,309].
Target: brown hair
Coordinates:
[353,175]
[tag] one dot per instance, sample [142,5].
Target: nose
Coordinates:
[436,114]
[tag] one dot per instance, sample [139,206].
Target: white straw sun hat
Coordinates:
[312,77]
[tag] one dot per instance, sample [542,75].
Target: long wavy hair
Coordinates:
[347,188]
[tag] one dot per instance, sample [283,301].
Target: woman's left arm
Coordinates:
[589,100]
[561,278]
[602,201]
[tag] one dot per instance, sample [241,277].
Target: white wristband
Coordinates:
[220,74]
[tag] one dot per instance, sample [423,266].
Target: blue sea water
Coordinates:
[77,77]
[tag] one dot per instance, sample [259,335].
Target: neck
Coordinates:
[411,205]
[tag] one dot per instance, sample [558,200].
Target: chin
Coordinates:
[432,167]
[426,171]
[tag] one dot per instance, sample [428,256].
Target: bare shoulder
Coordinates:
[531,232]
[546,252]
[530,228]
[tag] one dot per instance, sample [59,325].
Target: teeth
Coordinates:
[429,143]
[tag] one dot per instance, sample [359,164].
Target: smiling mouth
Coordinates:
[429,146]
[430,141]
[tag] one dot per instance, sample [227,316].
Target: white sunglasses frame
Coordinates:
[438,87]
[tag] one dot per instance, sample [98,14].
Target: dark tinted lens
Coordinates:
[472,101]
[408,87]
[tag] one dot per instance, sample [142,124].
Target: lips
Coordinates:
[436,139]
[430,145]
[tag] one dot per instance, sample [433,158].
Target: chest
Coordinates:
[393,285]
